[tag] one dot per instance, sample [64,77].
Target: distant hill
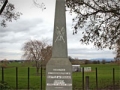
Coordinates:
[100,59]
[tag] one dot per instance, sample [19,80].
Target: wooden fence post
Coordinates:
[2,74]
[41,77]
[16,78]
[96,79]
[113,79]
[83,78]
[87,82]
[28,77]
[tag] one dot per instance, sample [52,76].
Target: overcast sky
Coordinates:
[36,24]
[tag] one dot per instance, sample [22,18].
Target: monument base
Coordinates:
[59,74]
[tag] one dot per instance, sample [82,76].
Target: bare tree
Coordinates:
[32,50]
[101,19]
[8,14]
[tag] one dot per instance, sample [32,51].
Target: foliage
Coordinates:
[96,62]
[9,14]
[101,19]
[4,86]
[87,62]
[4,63]
[103,61]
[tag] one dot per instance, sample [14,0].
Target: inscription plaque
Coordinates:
[59,75]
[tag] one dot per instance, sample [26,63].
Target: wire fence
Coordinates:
[94,80]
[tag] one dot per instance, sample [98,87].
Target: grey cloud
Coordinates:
[19,31]
[13,38]
[6,47]
[90,53]
[9,53]
[21,25]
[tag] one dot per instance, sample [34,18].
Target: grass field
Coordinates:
[105,76]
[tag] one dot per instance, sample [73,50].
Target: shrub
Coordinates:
[4,86]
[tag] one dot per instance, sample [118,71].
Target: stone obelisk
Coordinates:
[59,68]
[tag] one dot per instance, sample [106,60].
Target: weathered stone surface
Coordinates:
[59,74]
[59,68]
[59,36]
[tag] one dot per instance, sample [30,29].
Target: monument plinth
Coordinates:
[59,68]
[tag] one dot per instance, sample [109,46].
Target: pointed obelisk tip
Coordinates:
[60,35]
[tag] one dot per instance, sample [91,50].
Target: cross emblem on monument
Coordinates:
[60,33]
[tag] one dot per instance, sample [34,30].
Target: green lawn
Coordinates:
[104,76]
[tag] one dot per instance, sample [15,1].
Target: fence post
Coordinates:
[28,77]
[2,74]
[96,79]
[113,79]
[83,78]
[41,76]
[87,82]
[16,78]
